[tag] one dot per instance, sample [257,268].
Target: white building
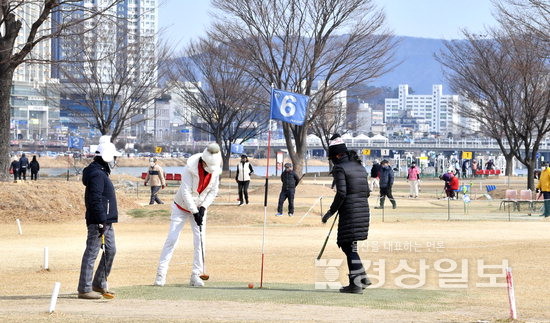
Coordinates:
[439,110]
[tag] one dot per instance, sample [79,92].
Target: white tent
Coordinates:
[313,139]
[362,138]
[379,138]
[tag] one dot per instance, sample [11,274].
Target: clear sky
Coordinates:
[182,20]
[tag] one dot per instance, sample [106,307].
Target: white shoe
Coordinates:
[196,281]
[160,280]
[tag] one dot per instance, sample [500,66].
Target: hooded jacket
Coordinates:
[351,200]
[187,195]
[99,197]
[544,182]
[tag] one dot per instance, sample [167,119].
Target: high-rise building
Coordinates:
[437,109]
[34,110]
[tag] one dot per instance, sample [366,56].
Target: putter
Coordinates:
[328,235]
[203,276]
[106,295]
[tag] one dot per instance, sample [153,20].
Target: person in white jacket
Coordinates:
[199,187]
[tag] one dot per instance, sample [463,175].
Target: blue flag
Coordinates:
[76,142]
[288,107]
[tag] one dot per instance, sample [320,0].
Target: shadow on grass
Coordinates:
[378,298]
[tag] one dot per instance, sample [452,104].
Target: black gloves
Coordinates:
[537,190]
[199,215]
[326,216]
[101,229]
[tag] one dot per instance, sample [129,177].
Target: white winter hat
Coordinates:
[106,149]
[212,157]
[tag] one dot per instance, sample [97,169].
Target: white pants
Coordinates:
[177,221]
[413,188]
[374,181]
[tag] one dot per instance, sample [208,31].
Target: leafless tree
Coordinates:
[330,122]
[531,16]
[222,100]
[297,44]
[507,78]
[13,53]
[112,87]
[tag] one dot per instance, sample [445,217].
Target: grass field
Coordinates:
[479,232]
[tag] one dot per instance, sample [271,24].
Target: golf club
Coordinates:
[203,276]
[328,235]
[106,294]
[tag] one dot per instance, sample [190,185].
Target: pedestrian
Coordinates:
[473,165]
[35,167]
[198,189]
[290,181]
[155,176]
[101,213]
[375,175]
[352,204]
[23,165]
[386,183]
[14,169]
[543,187]
[244,169]
[413,177]
[465,166]
[451,183]
[490,164]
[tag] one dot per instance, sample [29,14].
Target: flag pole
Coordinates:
[265,196]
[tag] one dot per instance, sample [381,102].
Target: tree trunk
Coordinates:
[6,79]
[531,175]
[509,164]
[298,150]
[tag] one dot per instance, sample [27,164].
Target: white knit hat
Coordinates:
[212,157]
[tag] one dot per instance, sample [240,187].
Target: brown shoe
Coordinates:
[102,290]
[89,295]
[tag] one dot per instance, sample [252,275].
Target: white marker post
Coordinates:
[511,294]
[55,293]
[19,226]
[45,258]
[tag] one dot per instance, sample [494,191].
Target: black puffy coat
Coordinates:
[99,197]
[290,180]
[351,200]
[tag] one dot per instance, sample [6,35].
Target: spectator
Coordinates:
[490,165]
[101,213]
[14,169]
[473,165]
[386,183]
[543,187]
[23,165]
[155,175]
[375,175]
[35,167]
[413,177]
[290,180]
[244,169]
[451,183]
[465,166]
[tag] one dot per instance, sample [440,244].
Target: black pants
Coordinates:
[243,191]
[24,172]
[15,175]
[355,266]
[34,175]
[154,195]
[283,196]
[386,191]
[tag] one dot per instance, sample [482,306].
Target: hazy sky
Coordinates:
[183,20]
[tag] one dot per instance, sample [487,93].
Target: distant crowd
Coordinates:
[19,168]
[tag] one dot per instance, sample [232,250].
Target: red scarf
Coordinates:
[204,178]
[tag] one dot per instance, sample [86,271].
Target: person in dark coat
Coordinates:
[375,175]
[23,165]
[35,167]
[290,180]
[101,213]
[386,183]
[14,169]
[351,203]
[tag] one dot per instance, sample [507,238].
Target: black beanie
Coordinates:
[336,146]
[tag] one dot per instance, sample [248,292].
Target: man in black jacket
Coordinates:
[101,213]
[351,203]
[386,183]
[23,165]
[290,180]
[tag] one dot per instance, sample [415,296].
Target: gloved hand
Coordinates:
[537,190]
[326,216]
[164,186]
[368,194]
[201,211]
[144,183]
[198,217]
[101,228]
